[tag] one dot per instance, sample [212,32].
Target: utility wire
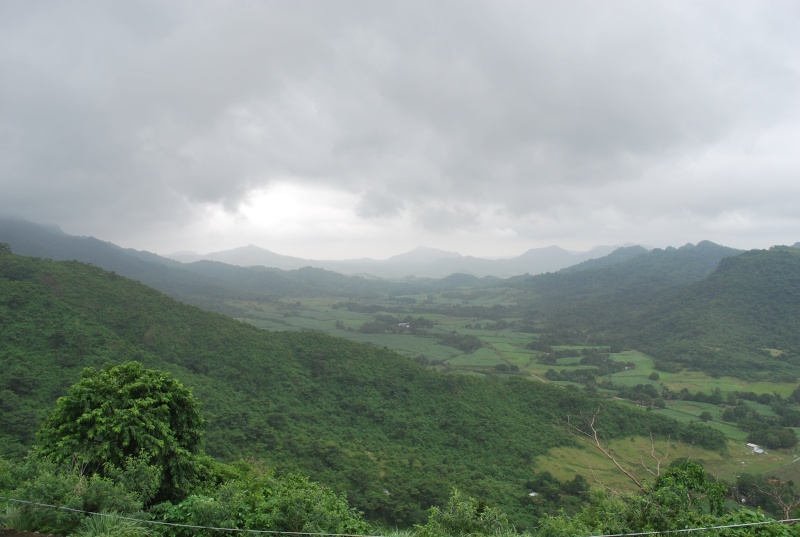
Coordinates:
[189,526]
[276,532]
[706,528]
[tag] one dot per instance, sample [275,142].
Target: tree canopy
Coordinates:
[122,413]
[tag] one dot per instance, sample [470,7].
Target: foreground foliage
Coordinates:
[255,498]
[124,440]
[245,496]
[125,413]
[683,497]
[106,495]
[250,496]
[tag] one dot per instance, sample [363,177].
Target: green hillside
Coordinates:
[629,274]
[743,319]
[212,285]
[395,436]
[701,307]
[598,301]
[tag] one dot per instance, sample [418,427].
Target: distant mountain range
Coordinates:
[420,262]
[685,306]
[49,241]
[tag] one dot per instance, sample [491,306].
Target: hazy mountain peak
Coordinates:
[252,247]
[551,248]
[243,249]
[549,252]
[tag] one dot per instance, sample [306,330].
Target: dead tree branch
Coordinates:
[659,459]
[591,436]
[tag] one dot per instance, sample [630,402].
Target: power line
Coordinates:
[313,534]
[705,528]
[189,526]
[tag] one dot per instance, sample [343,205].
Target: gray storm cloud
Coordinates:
[132,116]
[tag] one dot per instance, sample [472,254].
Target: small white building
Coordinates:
[755,448]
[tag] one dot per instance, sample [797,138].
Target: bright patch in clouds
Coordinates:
[297,209]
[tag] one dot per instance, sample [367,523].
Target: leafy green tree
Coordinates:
[771,493]
[686,486]
[117,413]
[774,437]
[636,513]
[464,516]
[43,482]
[257,499]
[683,496]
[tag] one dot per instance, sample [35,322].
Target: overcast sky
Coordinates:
[337,129]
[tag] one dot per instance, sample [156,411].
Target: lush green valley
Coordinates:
[392,434]
[478,397]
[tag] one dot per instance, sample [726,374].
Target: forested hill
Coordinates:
[706,308]
[632,271]
[598,302]
[743,318]
[394,436]
[211,285]
[203,283]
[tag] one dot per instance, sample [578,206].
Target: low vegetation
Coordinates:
[99,493]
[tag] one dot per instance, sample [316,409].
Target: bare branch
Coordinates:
[659,459]
[782,493]
[596,480]
[591,437]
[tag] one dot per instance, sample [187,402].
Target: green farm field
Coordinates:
[506,349]
[500,345]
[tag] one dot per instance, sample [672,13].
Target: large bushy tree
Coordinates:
[125,413]
[255,498]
